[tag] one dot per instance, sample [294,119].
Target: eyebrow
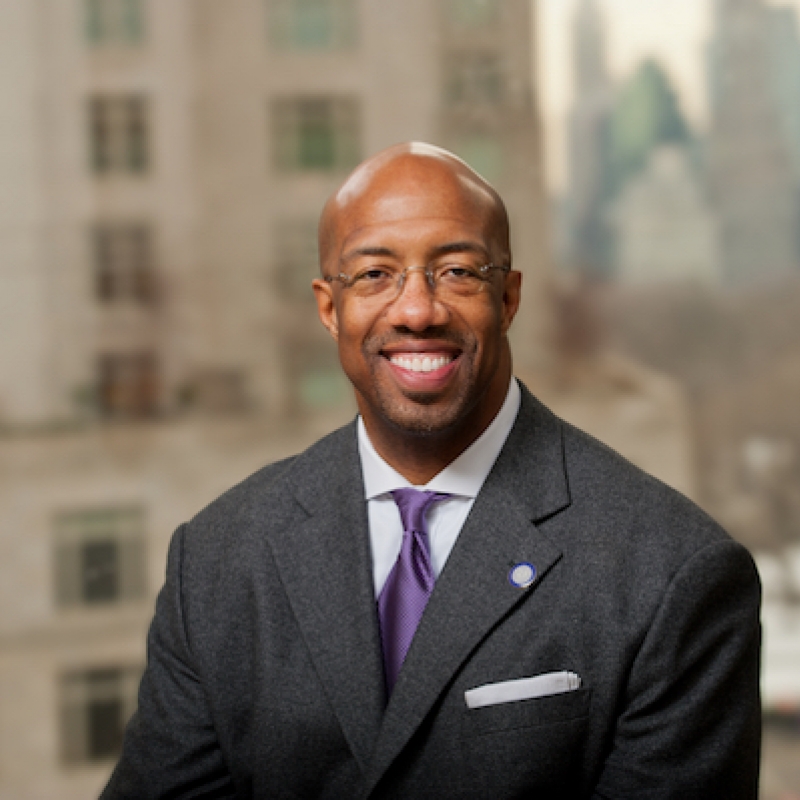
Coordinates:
[361,252]
[459,247]
[441,250]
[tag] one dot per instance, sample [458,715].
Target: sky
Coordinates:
[674,31]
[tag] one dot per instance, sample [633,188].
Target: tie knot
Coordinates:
[413,504]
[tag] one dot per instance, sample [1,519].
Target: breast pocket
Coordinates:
[526,745]
[548,710]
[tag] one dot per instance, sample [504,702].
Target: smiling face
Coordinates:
[422,364]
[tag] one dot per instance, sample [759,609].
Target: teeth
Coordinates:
[421,363]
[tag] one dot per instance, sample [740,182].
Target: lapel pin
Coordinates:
[522,575]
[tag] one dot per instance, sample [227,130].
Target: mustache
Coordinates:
[374,344]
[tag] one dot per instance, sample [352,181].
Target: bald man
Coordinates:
[457,595]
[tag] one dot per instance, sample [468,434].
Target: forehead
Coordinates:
[412,203]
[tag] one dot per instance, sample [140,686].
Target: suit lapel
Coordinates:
[474,593]
[325,564]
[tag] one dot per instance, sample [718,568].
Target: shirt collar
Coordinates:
[464,476]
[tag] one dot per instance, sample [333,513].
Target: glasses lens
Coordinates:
[459,278]
[452,279]
[374,282]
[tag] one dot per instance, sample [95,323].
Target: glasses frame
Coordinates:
[348,280]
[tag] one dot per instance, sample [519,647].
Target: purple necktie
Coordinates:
[410,583]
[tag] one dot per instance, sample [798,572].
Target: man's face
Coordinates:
[420,362]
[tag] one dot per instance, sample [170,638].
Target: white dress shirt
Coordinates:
[462,479]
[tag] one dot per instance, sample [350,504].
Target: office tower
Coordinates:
[751,176]
[666,231]
[589,249]
[784,60]
[646,114]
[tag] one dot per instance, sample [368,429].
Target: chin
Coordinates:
[423,419]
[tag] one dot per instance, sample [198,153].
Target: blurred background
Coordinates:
[162,167]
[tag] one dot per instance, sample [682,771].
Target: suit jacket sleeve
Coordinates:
[170,748]
[690,725]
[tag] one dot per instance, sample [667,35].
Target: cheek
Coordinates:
[485,325]
[354,329]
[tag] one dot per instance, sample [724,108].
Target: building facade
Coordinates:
[162,167]
[589,247]
[751,171]
[666,230]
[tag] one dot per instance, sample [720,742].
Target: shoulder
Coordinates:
[632,547]
[618,517]
[602,480]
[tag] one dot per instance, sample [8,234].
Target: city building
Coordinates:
[162,167]
[751,172]
[784,61]
[665,229]
[589,249]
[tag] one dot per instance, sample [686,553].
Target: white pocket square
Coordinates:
[493,694]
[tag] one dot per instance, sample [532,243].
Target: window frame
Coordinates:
[119,133]
[316,133]
[288,31]
[89,698]
[80,584]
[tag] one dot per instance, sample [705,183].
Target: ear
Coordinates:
[511,298]
[326,307]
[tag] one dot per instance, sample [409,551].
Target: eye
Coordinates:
[373,274]
[459,272]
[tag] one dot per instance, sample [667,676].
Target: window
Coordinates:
[323,387]
[317,377]
[128,385]
[218,390]
[296,259]
[312,24]
[99,556]
[473,79]
[316,133]
[96,704]
[123,261]
[118,133]
[473,13]
[483,152]
[114,21]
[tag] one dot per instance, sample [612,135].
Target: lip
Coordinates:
[427,382]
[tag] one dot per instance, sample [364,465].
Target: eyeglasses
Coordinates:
[452,279]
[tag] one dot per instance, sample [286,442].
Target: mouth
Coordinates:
[422,362]
[424,367]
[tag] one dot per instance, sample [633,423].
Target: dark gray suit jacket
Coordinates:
[264,675]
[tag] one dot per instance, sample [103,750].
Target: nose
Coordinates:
[416,307]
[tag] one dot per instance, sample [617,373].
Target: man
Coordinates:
[546,621]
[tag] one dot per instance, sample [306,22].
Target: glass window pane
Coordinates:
[100,572]
[474,79]
[312,24]
[136,135]
[316,133]
[95,707]
[484,153]
[296,261]
[132,27]
[95,29]
[99,135]
[105,728]
[473,13]
[99,556]
[323,388]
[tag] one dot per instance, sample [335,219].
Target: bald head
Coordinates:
[408,179]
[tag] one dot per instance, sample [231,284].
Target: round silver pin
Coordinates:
[522,575]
